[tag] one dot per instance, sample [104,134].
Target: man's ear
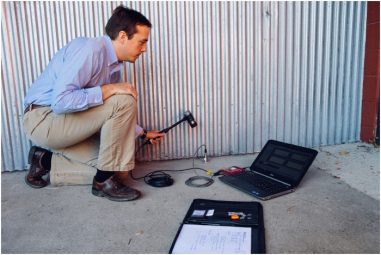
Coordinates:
[122,37]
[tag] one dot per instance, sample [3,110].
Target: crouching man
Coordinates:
[82,116]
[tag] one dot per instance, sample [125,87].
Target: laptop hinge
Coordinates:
[271,178]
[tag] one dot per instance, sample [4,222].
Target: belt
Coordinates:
[32,107]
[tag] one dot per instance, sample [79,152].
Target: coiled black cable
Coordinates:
[189,182]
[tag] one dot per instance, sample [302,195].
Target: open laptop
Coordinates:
[276,171]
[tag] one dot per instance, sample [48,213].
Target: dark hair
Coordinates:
[125,19]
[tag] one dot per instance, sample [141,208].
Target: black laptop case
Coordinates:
[250,215]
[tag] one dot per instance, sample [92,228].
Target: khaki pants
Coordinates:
[101,137]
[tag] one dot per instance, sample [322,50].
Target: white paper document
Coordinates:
[209,239]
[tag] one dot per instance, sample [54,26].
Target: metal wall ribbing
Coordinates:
[249,71]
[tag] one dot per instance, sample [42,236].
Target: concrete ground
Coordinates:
[335,209]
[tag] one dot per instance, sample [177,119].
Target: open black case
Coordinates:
[239,220]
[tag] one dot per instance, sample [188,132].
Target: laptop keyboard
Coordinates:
[259,181]
[264,185]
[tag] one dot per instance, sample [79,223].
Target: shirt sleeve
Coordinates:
[138,130]
[72,91]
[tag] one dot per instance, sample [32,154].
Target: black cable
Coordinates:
[189,182]
[195,155]
[158,179]
[162,174]
[168,170]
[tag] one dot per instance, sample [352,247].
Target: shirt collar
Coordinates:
[112,59]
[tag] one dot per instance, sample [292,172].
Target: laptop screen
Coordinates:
[285,162]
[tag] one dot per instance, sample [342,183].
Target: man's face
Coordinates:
[130,49]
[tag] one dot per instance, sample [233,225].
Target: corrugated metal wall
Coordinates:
[249,71]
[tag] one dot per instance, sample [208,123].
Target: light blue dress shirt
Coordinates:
[72,80]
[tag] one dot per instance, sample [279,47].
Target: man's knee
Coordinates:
[123,102]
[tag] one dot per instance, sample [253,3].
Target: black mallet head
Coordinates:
[190,119]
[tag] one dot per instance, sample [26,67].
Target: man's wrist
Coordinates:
[144,134]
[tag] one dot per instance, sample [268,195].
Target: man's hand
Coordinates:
[154,136]
[123,88]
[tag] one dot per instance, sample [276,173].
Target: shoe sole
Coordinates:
[102,194]
[31,185]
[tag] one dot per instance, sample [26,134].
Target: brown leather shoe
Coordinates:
[36,171]
[114,190]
